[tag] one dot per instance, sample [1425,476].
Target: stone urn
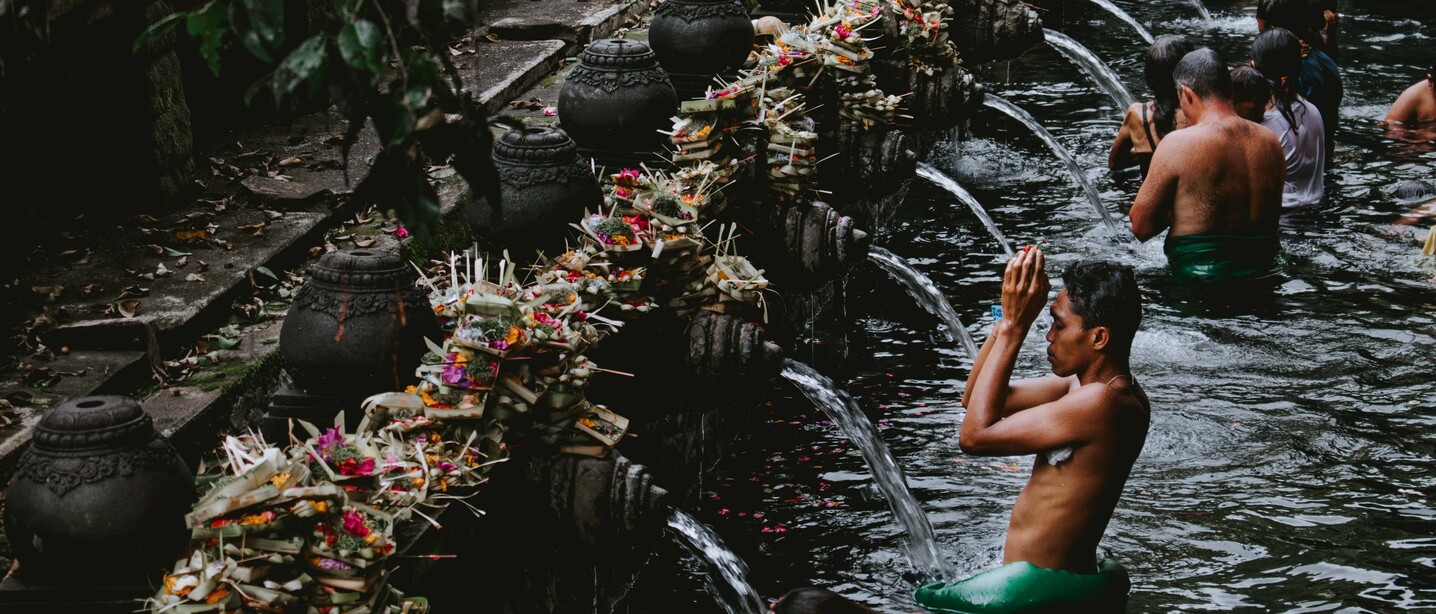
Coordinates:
[543,187]
[99,498]
[357,326]
[703,37]
[617,98]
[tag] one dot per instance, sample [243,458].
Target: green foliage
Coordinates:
[385,61]
[24,31]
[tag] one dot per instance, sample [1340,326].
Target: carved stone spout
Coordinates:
[823,241]
[602,501]
[991,30]
[729,352]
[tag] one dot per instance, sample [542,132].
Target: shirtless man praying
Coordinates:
[1216,184]
[1086,424]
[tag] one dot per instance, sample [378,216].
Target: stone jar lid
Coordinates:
[93,423]
[359,269]
[536,145]
[618,54]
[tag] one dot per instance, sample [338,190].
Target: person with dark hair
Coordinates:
[1295,121]
[1320,78]
[818,601]
[1216,185]
[1147,123]
[1328,28]
[1417,105]
[1251,94]
[1086,423]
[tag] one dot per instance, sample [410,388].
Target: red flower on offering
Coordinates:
[352,467]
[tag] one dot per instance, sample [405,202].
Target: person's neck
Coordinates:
[1104,370]
[1214,110]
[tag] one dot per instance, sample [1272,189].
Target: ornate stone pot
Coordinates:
[617,98]
[704,37]
[543,187]
[99,498]
[357,326]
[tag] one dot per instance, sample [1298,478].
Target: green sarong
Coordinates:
[1216,258]
[1024,587]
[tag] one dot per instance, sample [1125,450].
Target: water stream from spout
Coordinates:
[1026,119]
[734,593]
[1202,9]
[844,411]
[1101,73]
[940,179]
[1122,15]
[922,289]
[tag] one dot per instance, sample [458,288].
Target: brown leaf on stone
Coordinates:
[179,264]
[87,289]
[273,215]
[190,236]
[134,291]
[225,244]
[154,250]
[364,242]
[290,161]
[202,265]
[146,276]
[493,38]
[251,227]
[49,292]
[128,308]
[316,251]
[343,237]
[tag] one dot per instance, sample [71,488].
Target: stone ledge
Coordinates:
[503,70]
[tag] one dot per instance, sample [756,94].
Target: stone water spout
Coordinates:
[724,348]
[600,502]
[993,30]
[824,241]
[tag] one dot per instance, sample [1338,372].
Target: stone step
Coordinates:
[575,22]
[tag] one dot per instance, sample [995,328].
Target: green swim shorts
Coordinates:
[1024,587]
[1216,258]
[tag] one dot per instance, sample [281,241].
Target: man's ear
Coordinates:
[1101,337]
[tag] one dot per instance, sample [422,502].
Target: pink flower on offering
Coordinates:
[550,112]
[329,439]
[401,232]
[454,374]
[351,468]
[354,524]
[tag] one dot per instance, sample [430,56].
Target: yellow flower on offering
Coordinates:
[411,390]
[514,334]
[371,538]
[218,594]
[279,479]
[320,506]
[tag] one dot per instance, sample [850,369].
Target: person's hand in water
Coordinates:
[1024,287]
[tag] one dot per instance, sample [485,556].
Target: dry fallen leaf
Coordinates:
[202,265]
[161,271]
[194,277]
[133,291]
[128,308]
[273,215]
[364,242]
[290,161]
[181,262]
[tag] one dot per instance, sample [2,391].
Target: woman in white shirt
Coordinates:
[1295,121]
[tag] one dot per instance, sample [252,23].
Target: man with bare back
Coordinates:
[1086,424]
[1217,184]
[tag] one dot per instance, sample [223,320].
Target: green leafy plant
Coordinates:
[385,61]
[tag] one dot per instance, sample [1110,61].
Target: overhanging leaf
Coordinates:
[208,26]
[259,24]
[361,46]
[304,64]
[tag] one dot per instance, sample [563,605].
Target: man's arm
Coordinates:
[1074,419]
[1021,394]
[1404,109]
[1152,211]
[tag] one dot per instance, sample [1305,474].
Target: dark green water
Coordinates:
[1290,462]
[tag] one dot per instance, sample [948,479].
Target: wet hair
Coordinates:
[1248,85]
[1162,58]
[818,601]
[1204,73]
[1277,54]
[1106,294]
[1299,16]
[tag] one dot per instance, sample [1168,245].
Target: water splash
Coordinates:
[1122,15]
[736,595]
[929,173]
[1202,10]
[1026,119]
[1101,74]
[843,410]
[922,289]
